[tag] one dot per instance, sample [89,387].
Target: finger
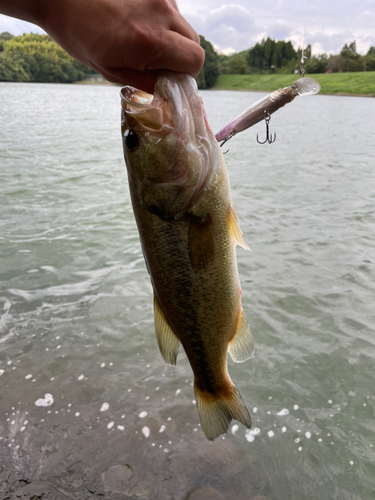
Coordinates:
[181,26]
[177,53]
[142,80]
[173,3]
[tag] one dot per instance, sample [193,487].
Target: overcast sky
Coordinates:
[238,25]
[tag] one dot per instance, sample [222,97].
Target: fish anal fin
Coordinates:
[234,227]
[201,242]
[216,411]
[241,346]
[167,340]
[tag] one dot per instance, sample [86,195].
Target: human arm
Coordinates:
[124,40]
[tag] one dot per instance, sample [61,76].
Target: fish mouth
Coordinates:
[176,111]
[175,105]
[139,105]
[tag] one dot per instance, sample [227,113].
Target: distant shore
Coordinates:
[348,84]
[342,84]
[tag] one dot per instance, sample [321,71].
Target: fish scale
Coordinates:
[188,229]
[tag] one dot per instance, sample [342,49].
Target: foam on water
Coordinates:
[76,317]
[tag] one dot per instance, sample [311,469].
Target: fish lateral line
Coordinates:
[188,229]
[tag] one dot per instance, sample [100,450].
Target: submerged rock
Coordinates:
[37,491]
[125,480]
[204,493]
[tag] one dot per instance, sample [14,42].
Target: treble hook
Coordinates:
[269,139]
[231,134]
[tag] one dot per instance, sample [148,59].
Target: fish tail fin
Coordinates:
[216,411]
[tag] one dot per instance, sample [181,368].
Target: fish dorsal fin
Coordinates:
[234,227]
[201,242]
[167,340]
[241,346]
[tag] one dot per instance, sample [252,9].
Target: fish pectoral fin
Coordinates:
[234,227]
[216,411]
[201,241]
[167,340]
[241,347]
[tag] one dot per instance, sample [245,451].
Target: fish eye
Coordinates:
[130,139]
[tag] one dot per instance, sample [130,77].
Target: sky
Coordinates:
[238,25]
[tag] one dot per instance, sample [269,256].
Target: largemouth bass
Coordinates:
[188,229]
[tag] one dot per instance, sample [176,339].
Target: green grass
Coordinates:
[362,83]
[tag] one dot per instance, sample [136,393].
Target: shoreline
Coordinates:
[215,88]
[284,81]
[337,94]
[359,84]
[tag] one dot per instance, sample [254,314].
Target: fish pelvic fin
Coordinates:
[216,411]
[234,227]
[167,340]
[241,347]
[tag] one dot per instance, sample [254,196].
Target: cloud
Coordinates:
[327,25]
[17,27]
[228,26]
[239,24]
[229,16]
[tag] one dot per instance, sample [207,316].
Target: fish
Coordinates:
[188,228]
[265,107]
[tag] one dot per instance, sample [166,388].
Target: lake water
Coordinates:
[88,407]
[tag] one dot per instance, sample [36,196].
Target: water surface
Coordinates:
[87,405]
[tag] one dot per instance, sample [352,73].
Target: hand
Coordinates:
[124,40]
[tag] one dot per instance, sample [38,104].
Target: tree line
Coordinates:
[271,56]
[37,58]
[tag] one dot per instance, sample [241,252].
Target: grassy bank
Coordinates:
[334,83]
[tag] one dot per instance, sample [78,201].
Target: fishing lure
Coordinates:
[265,107]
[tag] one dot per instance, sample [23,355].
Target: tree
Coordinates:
[5,35]
[306,52]
[256,55]
[317,64]
[270,54]
[237,66]
[369,62]
[37,58]
[335,64]
[210,71]
[351,60]
[268,50]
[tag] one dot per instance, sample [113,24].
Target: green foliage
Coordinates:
[370,63]
[350,60]
[317,64]
[272,56]
[256,57]
[306,53]
[5,35]
[235,64]
[210,71]
[37,58]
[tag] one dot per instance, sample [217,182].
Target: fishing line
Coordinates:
[302,68]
